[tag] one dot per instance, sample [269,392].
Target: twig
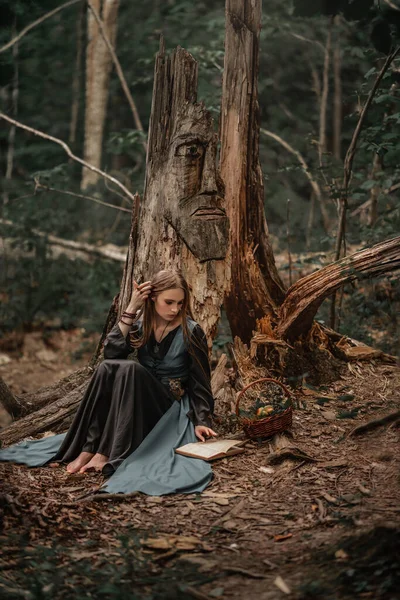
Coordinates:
[244,572]
[104,496]
[304,39]
[69,152]
[348,162]
[375,423]
[314,184]
[40,186]
[28,28]
[348,169]
[120,72]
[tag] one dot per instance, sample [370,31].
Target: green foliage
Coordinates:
[292,42]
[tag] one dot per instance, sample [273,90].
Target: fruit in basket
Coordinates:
[264,411]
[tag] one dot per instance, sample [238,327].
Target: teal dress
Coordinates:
[137,413]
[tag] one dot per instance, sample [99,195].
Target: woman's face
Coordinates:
[169,303]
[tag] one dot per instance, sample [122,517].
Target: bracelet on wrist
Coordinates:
[124,322]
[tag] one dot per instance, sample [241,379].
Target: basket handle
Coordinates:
[287,392]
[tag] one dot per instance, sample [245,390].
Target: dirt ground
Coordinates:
[323,523]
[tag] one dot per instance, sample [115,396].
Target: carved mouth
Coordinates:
[207,212]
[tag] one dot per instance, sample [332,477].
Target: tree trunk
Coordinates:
[255,286]
[98,69]
[183,223]
[55,416]
[337,96]
[76,79]
[9,402]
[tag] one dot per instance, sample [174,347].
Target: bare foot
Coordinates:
[97,463]
[78,463]
[54,465]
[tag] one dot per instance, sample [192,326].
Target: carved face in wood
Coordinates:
[195,193]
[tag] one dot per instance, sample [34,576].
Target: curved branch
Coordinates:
[305,297]
[21,34]
[69,152]
[314,184]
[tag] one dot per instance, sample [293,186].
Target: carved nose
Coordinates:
[208,177]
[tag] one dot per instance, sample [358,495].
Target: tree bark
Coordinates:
[76,79]
[98,69]
[183,224]
[9,402]
[55,416]
[255,286]
[305,297]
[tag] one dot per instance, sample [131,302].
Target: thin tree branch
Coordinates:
[314,184]
[120,73]
[16,39]
[348,169]
[304,39]
[348,162]
[45,188]
[72,245]
[68,151]
[393,188]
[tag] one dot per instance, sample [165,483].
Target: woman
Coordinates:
[134,414]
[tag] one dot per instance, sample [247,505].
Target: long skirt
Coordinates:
[129,416]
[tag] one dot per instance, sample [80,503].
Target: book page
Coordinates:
[209,449]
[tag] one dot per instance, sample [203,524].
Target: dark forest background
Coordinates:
[41,287]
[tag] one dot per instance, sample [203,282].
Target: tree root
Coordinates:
[364,427]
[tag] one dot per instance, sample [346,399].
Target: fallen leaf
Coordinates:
[332,464]
[329,498]
[230,524]
[221,501]
[204,565]
[341,554]
[364,490]
[216,592]
[280,584]
[280,538]
[329,415]
[350,498]
[315,434]
[266,469]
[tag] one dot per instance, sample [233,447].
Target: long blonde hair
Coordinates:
[162,281]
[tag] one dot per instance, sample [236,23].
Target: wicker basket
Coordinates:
[267,427]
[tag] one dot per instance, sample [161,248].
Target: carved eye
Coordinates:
[193,150]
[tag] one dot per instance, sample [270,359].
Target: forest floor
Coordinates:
[323,524]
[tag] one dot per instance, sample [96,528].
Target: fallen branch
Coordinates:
[375,423]
[28,28]
[244,572]
[72,245]
[305,297]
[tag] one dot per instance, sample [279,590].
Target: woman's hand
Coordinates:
[201,431]
[140,293]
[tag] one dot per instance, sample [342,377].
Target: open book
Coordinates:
[212,449]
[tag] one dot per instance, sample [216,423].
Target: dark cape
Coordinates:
[137,413]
